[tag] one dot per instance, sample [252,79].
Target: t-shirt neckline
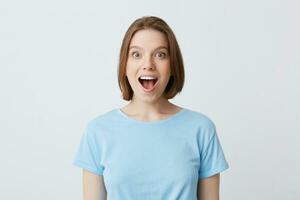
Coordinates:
[159,121]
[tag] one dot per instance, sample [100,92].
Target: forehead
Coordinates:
[149,38]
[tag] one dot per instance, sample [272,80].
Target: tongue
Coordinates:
[148,84]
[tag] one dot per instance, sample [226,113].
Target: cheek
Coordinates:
[131,73]
[166,68]
[131,65]
[129,68]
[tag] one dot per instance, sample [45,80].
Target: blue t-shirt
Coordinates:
[151,160]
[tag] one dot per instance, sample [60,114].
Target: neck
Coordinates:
[150,110]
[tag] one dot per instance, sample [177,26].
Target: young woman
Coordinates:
[151,148]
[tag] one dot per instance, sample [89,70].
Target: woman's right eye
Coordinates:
[135,54]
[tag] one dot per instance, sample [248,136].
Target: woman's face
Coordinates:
[148,65]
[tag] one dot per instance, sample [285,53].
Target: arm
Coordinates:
[93,186]
[208,188]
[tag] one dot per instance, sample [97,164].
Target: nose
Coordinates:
[148,63]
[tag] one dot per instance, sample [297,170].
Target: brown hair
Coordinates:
[176,81]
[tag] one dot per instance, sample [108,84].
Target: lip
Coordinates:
[149,90]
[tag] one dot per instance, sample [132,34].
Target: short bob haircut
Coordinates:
[176,81]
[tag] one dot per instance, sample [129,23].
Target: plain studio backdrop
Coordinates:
[58,64]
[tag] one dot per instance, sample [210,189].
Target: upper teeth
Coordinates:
[147,77]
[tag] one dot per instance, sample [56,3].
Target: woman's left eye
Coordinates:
[161,54]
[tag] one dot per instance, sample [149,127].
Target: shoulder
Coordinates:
[203,126]
[100,120]
[200,119]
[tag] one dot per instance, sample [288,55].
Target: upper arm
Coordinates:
[208,188]
[93,186]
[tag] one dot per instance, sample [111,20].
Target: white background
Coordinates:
[58,64]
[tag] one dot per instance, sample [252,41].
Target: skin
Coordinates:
[208,188]
[93,186]
[148,54]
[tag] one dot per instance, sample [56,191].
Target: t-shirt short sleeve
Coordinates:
[88,154]
[212,159]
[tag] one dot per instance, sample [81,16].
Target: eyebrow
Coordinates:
[137,47]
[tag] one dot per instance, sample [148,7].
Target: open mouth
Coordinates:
[148,84]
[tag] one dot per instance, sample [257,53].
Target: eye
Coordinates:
[161,54]
[135,54]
